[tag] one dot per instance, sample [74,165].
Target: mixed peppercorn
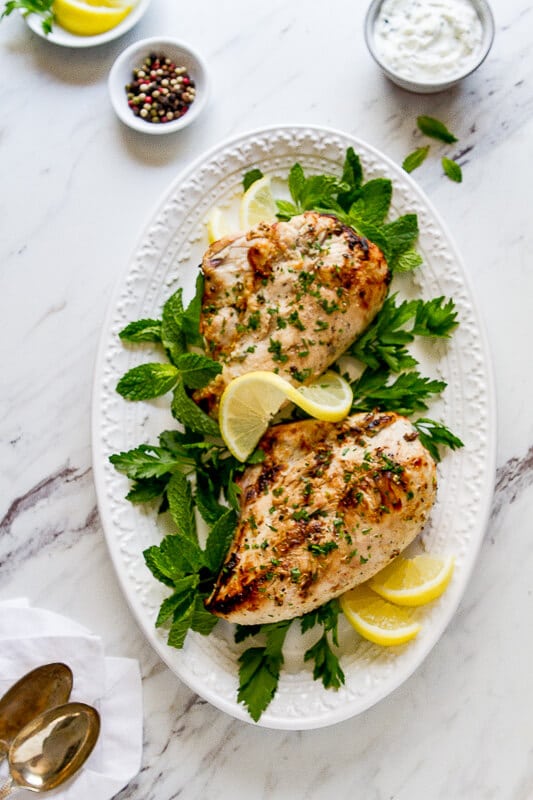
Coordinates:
[160,90]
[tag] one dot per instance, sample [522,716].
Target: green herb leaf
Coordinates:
[147,489]
[143,330]
[189,414]
[352,176]
[415,159]
[42,8]
[219,539]
[407,261]
[433,434]
[410,392]
[172,334]
[147,381]
[435,318]
[373,202]
[327,666]
[286,210]
[181,625]
[251,177]
[435,129]
[181,506]
[182,594]
[190,318]
[260,668]
[144,461]
[197,370]
[206,499]
[202,621]
[242,632]
[452,170]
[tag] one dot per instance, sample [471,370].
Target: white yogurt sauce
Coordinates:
[427,40]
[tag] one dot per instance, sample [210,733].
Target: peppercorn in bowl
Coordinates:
[158,85]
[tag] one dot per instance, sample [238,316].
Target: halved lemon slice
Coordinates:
[257,204]
[217,226]
[249,403]
[87,18]
[413,581]
[376,619]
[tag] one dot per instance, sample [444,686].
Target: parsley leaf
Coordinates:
[415,159]
[42,8]
[435,129]
[327,667]
[432,434]
[452,170]
[260,668]
[410,392]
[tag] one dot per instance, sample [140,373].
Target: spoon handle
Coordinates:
[7,788]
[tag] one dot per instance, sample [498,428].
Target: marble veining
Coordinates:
[77,189]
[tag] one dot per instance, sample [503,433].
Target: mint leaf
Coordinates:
[219,539]
[407,261]
[190,318]
[181,597]
[179,556]
[202,621]
[296,184]
[286,210]
[415,159]
[147,381]
[189,414]
[172,334]
[435,129]
[452,170]
[143,330]
[373,203]
[401,234]
[197,370]
[251,177]
[181,506]
[182,623]
[352,176]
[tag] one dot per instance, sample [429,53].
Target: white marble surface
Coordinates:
[76,189]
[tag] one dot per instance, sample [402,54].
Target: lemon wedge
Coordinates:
[88,17]
[217,226]
[249,403]
[376,619]
[257,204]
[413,581]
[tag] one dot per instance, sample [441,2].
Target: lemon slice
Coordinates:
[257,204]
[86,18]
[413,581]
[249,403]
[217,226]
[377,620]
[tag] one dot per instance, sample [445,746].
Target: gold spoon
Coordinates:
[51,748]
[42,688]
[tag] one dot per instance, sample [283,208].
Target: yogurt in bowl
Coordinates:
[429,45]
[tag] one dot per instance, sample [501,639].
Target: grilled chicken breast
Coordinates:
[288,297]
[331,504]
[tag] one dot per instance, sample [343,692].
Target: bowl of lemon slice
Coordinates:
[86,23]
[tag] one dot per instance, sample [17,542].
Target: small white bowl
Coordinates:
[121,75]
[484,13]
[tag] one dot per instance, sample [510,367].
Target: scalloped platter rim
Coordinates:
[167,256]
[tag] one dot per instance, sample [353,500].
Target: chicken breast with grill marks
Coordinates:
[331,505]
[289,297]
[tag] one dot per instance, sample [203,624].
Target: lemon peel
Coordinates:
[376,619]
[250,402]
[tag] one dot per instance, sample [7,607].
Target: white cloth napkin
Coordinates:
[30,637]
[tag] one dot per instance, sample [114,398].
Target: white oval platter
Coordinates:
[167,256]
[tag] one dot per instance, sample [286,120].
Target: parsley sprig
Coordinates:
[43,9]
